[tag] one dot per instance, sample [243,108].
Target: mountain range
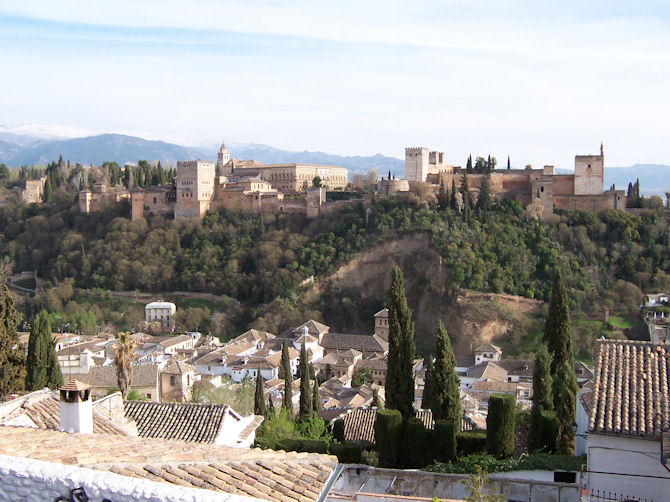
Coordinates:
[25,149]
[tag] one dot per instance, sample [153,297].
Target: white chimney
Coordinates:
[76,409]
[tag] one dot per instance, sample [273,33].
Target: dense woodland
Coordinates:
[607,259]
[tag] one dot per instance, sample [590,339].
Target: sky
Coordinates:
[538,81]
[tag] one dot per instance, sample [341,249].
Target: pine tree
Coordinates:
[399,376]
[558,337]
[447,394]
[316,397]
[542,393]
[259,396]
[287,400]
[428,386]
[305,391]
[42,369]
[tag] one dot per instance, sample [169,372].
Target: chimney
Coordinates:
[76,409]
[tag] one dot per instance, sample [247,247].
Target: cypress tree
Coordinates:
[316,397]
[484,201]
[565,403]
[42,369]
[259,396]
[500,426]
[270,407]
[443,197]
[376,402]
[465,190]
[447,394]
[428,386]
[542,395]
[399,375]
[305,391]
[558,337]
[287,402]
[508,164]
[11,356]
[452,199]
[468,166]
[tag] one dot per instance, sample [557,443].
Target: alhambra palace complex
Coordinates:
[246,185]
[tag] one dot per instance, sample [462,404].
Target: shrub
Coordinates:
[338,430]
[532,462]
[414,444]
[304,445]
[347,453]
[470,442]
[500,426]
[388,429]
[444,441]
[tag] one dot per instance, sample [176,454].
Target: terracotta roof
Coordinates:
[215,357]
[176,367]
[143,375]
[488,371]
[266,474]
[383,312]
[631,395]
[192,422]
[75,385]
[42,408]
[343,341]
[313,328]
[359,423]
[93,346]
[517,367]
[488,347]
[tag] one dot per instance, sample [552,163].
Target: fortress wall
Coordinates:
[594,203]
[563,184]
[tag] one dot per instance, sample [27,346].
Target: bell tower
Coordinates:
[223,158]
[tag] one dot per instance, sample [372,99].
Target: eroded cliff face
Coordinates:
[470,318]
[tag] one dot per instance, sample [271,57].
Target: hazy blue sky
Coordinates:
[540,81]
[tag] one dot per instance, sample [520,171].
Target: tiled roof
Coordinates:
[43,409]
[488,347]
[631,393]
[517,367]
[215,357]
[383,312]
[343,341]
[313,328]
[270,475]
[76,385]
[359,423]
[176,367]
[143,375]
[198,423]
[93,346]
[488,371]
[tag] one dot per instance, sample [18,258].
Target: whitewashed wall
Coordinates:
[24,479]
[633,465]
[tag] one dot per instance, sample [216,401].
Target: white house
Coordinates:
[162,313]
[627,418]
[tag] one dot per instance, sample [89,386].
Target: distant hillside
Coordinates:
[654,178]
[18,150]
[95,150]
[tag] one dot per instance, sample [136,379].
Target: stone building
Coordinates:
[162,313]
[100,197]
[582,190]
[155,200]
[34,191]
[195,188]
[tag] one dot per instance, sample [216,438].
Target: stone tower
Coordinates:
[416,164]
[223,158]
[589,173]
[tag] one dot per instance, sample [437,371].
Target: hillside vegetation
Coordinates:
[257,266]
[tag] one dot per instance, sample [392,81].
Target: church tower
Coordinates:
[223,159]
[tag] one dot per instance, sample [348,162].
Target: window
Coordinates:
[173,381]
[149,395]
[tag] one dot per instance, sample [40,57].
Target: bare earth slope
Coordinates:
[470,318]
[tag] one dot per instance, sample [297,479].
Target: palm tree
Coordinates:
[123,353]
